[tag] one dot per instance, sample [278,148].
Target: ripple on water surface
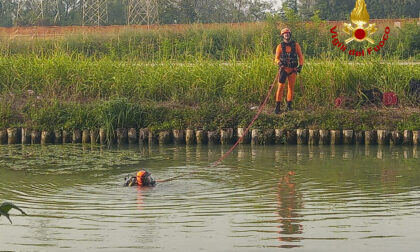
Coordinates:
[311,198]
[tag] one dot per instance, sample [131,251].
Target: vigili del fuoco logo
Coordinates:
[360,30]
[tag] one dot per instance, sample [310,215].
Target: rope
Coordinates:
[218,162]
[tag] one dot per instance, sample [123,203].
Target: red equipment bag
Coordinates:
[389,99]
[338,102]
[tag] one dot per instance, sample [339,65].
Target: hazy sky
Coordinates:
[277,3]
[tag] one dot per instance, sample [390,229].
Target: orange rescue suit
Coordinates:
[140,175]
[290,71]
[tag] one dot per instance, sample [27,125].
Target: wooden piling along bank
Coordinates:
[223,136]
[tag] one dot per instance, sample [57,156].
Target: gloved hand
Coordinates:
[299,68]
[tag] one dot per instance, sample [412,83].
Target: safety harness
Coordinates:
[287,59]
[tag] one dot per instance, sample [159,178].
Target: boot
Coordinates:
[289,106]
[277,111]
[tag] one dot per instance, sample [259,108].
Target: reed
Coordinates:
[35,80]
[216,42]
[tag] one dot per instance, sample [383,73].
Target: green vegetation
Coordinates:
[198,78]
[211,42]
[70,12]
[84,80]
[64,92]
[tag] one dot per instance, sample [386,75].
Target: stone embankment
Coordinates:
[223,136]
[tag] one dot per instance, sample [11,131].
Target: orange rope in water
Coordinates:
[218,162]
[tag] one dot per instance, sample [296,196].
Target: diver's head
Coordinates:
[142,178]
[148,180]
[286,33]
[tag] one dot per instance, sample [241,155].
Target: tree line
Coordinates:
[340,9]
[70,12]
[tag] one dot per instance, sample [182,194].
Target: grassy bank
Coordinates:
[120,113]
[64,92]
[84,79]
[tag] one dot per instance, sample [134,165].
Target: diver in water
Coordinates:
[145,178]
[142,178]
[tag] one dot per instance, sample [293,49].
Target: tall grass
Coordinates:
[64,91]
[323,81]
[84,79]
[222,42]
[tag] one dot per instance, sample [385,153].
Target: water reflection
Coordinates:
[348,153]
[140,201]
[289,206]
[347,197]
[301,154]
[389,177]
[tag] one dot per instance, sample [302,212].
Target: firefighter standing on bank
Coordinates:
[290,60]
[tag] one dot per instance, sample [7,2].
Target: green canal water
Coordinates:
[322,198]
